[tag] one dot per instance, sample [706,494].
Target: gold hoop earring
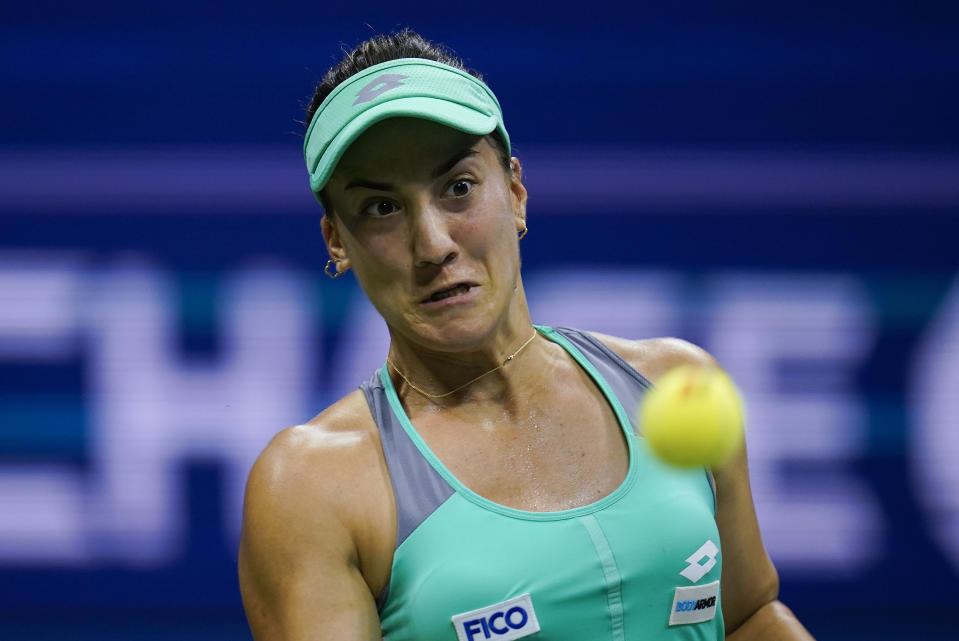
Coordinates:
[523,232]
[336,273]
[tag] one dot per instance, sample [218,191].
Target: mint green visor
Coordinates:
[408,87]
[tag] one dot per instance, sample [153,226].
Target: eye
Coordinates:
[380,208]
[460,188]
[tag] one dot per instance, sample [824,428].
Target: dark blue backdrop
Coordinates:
[728,162]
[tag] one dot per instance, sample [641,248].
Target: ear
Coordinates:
[331,236]
[518,192]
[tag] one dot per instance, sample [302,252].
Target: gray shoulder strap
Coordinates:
[419,489]
[627,384]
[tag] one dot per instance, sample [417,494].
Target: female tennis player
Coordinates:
[490,480]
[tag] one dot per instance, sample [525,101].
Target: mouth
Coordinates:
[456,290]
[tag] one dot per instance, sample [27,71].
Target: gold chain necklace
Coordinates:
[469,382]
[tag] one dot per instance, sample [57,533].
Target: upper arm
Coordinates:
[749,579]
[299,569]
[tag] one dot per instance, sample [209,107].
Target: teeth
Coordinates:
[452,291]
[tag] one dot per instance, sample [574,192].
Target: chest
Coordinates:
[538,457]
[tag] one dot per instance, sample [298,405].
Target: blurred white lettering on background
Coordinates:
[934,450]
[150,409]
[792,343]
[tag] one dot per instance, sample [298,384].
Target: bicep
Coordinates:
[297,568]
[315,601]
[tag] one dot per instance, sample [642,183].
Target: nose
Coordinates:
[432,243]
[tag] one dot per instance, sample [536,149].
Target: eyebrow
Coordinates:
[436,173]
[452,162]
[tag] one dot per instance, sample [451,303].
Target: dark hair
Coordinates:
[400,44]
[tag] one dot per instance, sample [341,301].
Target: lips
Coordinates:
[454,290]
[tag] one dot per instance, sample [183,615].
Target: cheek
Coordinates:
[380,287]
[491,241]
[372,248]
[493,217]
[377,267]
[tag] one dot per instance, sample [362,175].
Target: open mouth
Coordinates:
[456,290]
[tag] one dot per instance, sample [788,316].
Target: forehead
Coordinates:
[403,146]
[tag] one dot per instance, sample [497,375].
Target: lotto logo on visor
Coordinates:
[380,84]
[512,619]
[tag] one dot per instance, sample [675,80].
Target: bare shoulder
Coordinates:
[320,460]
[653,357]
[318,503]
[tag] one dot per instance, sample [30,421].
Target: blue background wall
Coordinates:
[779,183]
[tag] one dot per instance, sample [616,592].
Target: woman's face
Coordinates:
[427,218]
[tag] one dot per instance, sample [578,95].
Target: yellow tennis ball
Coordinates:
[693,417]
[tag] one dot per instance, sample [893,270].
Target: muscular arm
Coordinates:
[311,513]
[749,584]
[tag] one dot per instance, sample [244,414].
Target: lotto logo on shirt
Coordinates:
[505,621]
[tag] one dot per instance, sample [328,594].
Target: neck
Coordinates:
[439,395]
[450,374]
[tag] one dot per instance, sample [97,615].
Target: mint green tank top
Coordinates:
[641,564]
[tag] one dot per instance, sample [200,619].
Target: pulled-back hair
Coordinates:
[401,44]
